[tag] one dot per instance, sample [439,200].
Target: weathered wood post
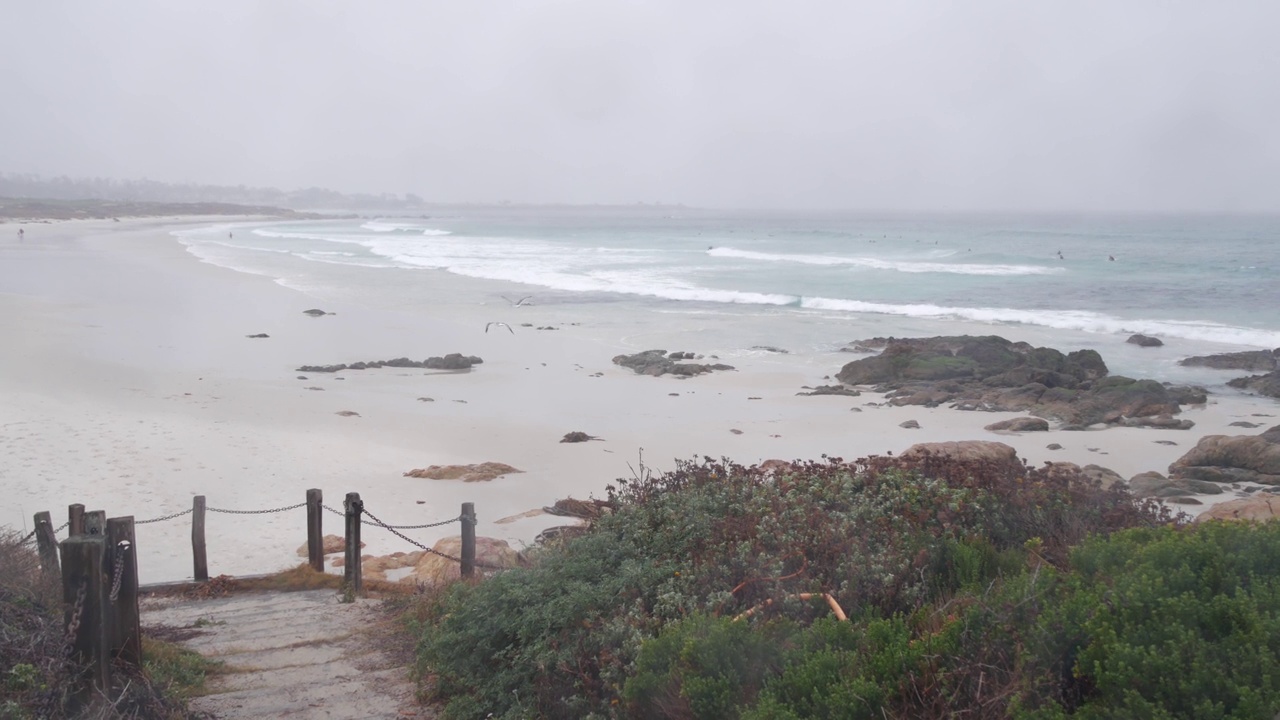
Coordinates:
[126,635]
[75,520]
[315,531]
[199,556]
[47,544]
[468,539]
[95,522]
[85,598]
[351,575]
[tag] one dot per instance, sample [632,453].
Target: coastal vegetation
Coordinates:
[911,587]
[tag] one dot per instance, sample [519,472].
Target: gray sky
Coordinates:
[1134,105]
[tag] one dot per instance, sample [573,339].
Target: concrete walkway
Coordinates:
[291,655]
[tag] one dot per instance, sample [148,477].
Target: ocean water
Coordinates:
[730,282]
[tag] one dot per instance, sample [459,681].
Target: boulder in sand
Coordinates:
[968,451]
[434,570]
[1021,424]
[1259,508]
[466,473]
[1233,458]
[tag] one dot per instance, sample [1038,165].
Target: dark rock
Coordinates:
[259,335]
[1252,360]
[1022,424]
[316,313]
[1268,385]
[909,424]
[1245,424]
[1187,394]
[1162,422]
[656,362]
[1053,446]
[770,348]
[1147,484]
[1144,341]
[577,437]
[321,368]
[1183,501]
[452,361]
[831,390]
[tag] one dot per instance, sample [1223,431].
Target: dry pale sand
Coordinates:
[127,383]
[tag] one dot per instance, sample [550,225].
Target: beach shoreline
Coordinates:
[131,384]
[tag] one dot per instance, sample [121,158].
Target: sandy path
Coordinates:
[292,654]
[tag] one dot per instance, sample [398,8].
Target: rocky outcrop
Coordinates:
[1153,484]
[1251,360]
[1259,508]
[830,390]
[1268,384]
[982,451]
[482,472]
[452,361]
[657,362]
[577,436]
[1021,424]
[994,374]
[1233,459]
[1144,341]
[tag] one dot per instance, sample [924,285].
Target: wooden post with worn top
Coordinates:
[75,520]
[199,555]
[126,633]
[351,575]
[47,544]
[315,529]
[85,596]
[468,540]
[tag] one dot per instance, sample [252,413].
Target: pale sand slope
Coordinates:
[127,384]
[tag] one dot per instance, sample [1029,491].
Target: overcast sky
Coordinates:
[1134,105]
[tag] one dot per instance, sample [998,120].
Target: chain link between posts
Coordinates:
[424,526]
[257,512]
[73,627]
[188,511]
[433,551]
[31,536]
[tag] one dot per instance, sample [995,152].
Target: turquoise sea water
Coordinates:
[806,282]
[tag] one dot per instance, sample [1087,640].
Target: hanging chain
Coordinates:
[73,627]
[399,527]
[121,548]
[257,512]
[163,518]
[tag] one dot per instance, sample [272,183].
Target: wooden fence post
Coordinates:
[95,522]
[315,532]
[75,520]
[200,557]
[126,635]
[468,539]
[84,595]
[351,574]
[47,544]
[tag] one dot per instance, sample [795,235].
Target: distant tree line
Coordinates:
[28,185]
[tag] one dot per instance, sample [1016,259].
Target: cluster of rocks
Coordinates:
[1266,362]
[481,472]
[659,362]
[452,361]
[994,374]
[1218,463]
[830,390]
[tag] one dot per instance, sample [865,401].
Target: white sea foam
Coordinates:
[1061,319]
[387,226]
[907,266]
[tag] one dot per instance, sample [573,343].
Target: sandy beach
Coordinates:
[128,384]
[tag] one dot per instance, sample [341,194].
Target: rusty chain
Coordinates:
[433,551]
[399,527]
[257,512]
[31,536]
[73,627]
[122,547]
[163,518]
